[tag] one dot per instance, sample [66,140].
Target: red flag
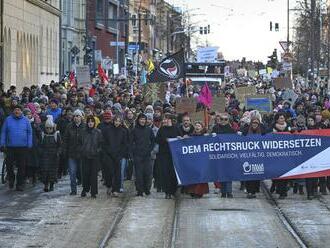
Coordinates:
[102,74]
[72,78]
[205,96]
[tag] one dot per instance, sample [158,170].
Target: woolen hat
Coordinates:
[78,112]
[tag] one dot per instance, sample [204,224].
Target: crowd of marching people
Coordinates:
[111,132]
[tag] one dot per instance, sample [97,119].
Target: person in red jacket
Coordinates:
[198,190]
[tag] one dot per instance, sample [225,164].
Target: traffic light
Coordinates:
[277,27]
[271,26]
[205,30]
[89,55]
[272,62]
[133,20]
[146,19]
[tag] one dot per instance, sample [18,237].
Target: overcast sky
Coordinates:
[240,28]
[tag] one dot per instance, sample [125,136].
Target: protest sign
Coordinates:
[290,95]
[151,92]
[241,72]
[282,83]
[262,103]
[207,54]
[218,104]
[242,92]
[185,105]
[252,73]
[233,157]
[83,75]
[197,116]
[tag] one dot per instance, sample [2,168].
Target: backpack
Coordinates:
[55,136]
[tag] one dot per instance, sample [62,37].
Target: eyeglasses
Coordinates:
[224,119]
[255,122]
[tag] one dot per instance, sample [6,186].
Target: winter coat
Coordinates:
[16,132]
[163,134]
[115,141]
[220,129]
[56,113]
[142,141]
[73,140]
[183,132]
[62,124]
[91,143]
[48,151]
[155,150]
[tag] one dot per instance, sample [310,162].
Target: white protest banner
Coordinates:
[107,64]
[115,69]
[83,75]
[207,54]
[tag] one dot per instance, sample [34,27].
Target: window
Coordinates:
[99,12]
[112,14]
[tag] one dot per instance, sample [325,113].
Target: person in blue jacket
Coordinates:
[54,110]
[16,140]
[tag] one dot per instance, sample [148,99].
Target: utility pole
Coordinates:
[328,47]
[288,25]
[117,34]
[312,38]
[1,42]
[139,40]
[168,32]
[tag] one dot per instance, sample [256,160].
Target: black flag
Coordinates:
[171,68]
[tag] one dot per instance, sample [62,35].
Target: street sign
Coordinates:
[98,55]
[134,47]
[75,50]
[285,45]
[286,66]
[119,43]
[287,57]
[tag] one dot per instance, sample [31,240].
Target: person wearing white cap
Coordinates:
[49,154]
[72,148]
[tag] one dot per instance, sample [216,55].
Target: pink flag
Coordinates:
[205,96]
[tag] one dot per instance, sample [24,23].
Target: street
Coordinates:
[36,219]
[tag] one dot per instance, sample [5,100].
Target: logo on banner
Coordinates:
[170,68]
[253,169]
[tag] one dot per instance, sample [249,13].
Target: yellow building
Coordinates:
[31,35]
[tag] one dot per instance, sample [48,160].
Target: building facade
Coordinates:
[170,32]
[156,25]
[107,25]
[73,34]
[142,25]
[31,35]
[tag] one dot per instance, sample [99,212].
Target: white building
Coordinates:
[31,34]
[73,33]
